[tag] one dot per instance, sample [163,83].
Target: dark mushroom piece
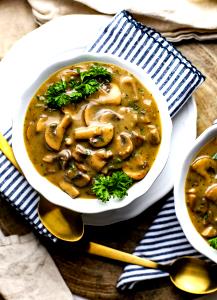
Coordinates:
[77,177]
[137,139]
[203,164]
[80,153]
[124,145]
[99,159]
[54,132]
[64,156]
[153,135]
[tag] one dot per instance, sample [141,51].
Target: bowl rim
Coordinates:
[37,181]
[191,233]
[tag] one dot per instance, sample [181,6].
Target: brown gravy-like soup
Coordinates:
[116,128]
[201,190]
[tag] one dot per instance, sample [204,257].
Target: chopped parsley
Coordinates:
[214,156]
[213,242]
[79,88]
[116,185]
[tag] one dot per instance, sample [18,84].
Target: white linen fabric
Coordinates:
[175,19]
[28,272]
[175,77]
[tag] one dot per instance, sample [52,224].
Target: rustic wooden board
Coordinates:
[95,277]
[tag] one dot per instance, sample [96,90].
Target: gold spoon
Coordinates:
[187,273]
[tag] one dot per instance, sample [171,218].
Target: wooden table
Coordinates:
[95,277]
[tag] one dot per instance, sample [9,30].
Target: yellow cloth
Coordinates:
[175,19]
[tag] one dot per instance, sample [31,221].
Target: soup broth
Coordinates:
[115,126]
[201,190]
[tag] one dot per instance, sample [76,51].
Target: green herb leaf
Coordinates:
[62,93]
[214,156]
[213,242]
[96,72]
[116,185]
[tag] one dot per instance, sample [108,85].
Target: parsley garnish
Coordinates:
[214,156]
[213,242]
[85,84]
[116,185]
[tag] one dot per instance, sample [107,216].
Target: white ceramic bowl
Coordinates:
[52,192]
[197,241]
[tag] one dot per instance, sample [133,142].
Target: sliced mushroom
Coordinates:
[124,145]
[153,135]
[30,130]
[99,158]
[54,132]
[69,188]
[77,177]
[99,135]
[68,140]
[136,168]
[49,158]
[81,153]
[137,139]
[81,179]
[103,115]
[102,153]
[64,156]
[108,115]
[81,167]
[191,200]
[203,164]
[211,193]
[127,81]
[41,124]
[113,97]
[89,112]
[209,232]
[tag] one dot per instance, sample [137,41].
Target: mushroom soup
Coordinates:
[90,119]
[201,191]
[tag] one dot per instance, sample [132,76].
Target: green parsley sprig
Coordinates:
[79,88]
[116,185]
[213,242]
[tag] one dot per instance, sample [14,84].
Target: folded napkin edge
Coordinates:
[143,27]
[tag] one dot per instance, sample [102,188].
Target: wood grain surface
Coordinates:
[95,277]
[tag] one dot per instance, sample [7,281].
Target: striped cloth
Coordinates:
[164,242]
[177,79]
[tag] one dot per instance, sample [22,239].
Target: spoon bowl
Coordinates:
[69,225]
[193,275]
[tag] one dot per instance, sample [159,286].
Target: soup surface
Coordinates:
[90,119]
[201,191]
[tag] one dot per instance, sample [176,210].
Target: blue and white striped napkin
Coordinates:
[163,242]
[177,79]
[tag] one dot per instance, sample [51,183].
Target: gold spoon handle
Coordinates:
[8,152]
[114,254]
